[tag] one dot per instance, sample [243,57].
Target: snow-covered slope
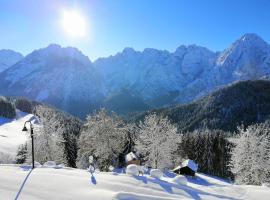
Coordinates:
[67,183]
[11,135]
[8,58]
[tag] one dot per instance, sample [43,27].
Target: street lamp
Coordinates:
[32,137]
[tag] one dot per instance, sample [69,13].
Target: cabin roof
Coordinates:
[131,156]
[188,163]
[191,164]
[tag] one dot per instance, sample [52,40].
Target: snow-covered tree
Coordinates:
[157,141]
[104,136]
[47,137]
[21,154]
[250,160]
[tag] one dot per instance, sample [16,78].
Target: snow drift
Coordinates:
[68,183]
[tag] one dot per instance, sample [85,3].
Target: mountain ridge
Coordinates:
[8,58]
[67,79]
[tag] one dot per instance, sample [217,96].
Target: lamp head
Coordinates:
[24,128]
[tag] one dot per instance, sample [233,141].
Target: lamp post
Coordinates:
[32,137]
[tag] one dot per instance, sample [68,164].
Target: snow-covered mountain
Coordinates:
[64,77]
[8,58]
[160,77]
[154,73]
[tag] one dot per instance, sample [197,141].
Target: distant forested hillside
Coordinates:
[242,103]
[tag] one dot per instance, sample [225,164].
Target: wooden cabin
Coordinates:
[132,158]
[188,168]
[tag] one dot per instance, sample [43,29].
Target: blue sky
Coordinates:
[26,25]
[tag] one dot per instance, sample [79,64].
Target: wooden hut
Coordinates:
[188,168]
[132,158]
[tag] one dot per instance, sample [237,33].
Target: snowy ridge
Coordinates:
[192,71]
[67,183]
[55,75]
[64,76]
[8,58]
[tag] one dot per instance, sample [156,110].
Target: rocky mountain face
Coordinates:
[63,77]
[133,81]
[8,58]
[162,78]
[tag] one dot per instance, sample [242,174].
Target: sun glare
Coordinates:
[74,24]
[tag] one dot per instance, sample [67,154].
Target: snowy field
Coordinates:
[11,135]
[67,183]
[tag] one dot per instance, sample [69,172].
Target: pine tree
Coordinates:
[21,154]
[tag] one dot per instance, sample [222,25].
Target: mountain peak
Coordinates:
[53,46]
[246,47]
[55,50]
[128,50]
[251,37]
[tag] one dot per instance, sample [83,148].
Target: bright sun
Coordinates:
[74,24]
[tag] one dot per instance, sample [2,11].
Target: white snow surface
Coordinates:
[68,183]
[156,173]
[132,169]
[180,179]
[11,135]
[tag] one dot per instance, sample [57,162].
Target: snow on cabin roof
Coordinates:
[191,164]
[131,156]
[178,167]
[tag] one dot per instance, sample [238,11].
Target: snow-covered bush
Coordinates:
[37,164]
[132,169]
[61,165]
[156,173]
[142,169]
[182,180]
[49,164]
[157,142]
